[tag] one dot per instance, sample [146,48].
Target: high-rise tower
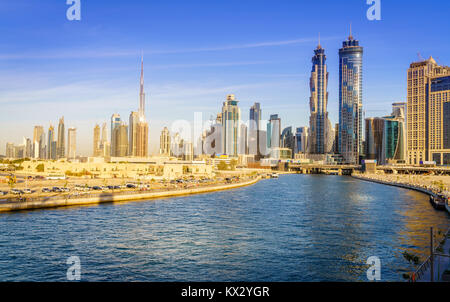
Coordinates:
[71,143]
[61,142]
[428,112]
[138,129]
[231,116]
[350,100]
[319,125]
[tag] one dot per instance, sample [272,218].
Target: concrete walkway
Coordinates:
[111,197]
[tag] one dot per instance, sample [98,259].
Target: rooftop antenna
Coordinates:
[351,36]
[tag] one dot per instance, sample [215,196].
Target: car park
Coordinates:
[16,191]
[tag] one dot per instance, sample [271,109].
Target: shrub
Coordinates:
[40,168]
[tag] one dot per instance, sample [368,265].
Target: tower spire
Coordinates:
[141,91]
[350,37]
[319,46]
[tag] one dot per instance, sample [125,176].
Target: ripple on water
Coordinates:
[295,228]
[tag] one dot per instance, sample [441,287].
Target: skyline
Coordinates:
[256,64]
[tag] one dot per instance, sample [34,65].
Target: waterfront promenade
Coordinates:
[441,258]
[106,197]
[430,185]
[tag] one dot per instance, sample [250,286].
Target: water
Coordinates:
[295,228]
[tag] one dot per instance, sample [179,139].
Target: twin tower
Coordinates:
[346,139]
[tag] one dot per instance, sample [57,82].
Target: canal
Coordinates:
[295,228]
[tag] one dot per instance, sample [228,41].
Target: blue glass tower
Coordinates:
[318,121]
[350,100]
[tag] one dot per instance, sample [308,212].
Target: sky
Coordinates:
[195,53]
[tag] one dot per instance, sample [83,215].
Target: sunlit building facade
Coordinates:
[350,100]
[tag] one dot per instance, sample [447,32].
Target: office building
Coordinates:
[231,116]
[164,142]
[71,143]
[97,151]
[350,100]
[61,141]
[426,112]
[319,125]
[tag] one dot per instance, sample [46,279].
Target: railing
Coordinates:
[418,274]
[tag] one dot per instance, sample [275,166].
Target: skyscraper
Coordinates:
[273,132]
[231,116]
[51,145]
[133,133]
[120,138]
[301,140]
[104,144]
[254,129]
[350,100]
[115,122]
[319,125]
[288,139]
[10,150]
[61,142]
[71,143]
[439,118]
[394,136]
[138,127]
[374,138]
[96,147]
[164,143]
[428,112]
[38,131]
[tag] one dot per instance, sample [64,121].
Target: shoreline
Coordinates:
[112,198]
[425,190]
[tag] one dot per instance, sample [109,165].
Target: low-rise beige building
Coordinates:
[98,169]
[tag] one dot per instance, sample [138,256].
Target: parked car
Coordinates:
[56,190]
[26,191]
[46,190]
[96,188]
[131,186]
[16,191]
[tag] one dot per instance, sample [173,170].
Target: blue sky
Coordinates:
[197,52]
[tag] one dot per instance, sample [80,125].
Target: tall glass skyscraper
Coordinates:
[231,116]
[254,129]
[350,100]
[318,122]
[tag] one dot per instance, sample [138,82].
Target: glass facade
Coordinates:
[350,100]
[391,134]
[446,124]
[318,104]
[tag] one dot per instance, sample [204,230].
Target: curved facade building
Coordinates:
[319,125]
[350,100]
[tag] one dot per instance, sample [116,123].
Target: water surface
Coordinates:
[295,228]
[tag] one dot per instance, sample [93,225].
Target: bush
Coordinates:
[40,168]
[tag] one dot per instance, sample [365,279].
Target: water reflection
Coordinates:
[295,228]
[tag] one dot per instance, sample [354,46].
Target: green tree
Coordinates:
[40,168]
[222,165]
[233,164]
